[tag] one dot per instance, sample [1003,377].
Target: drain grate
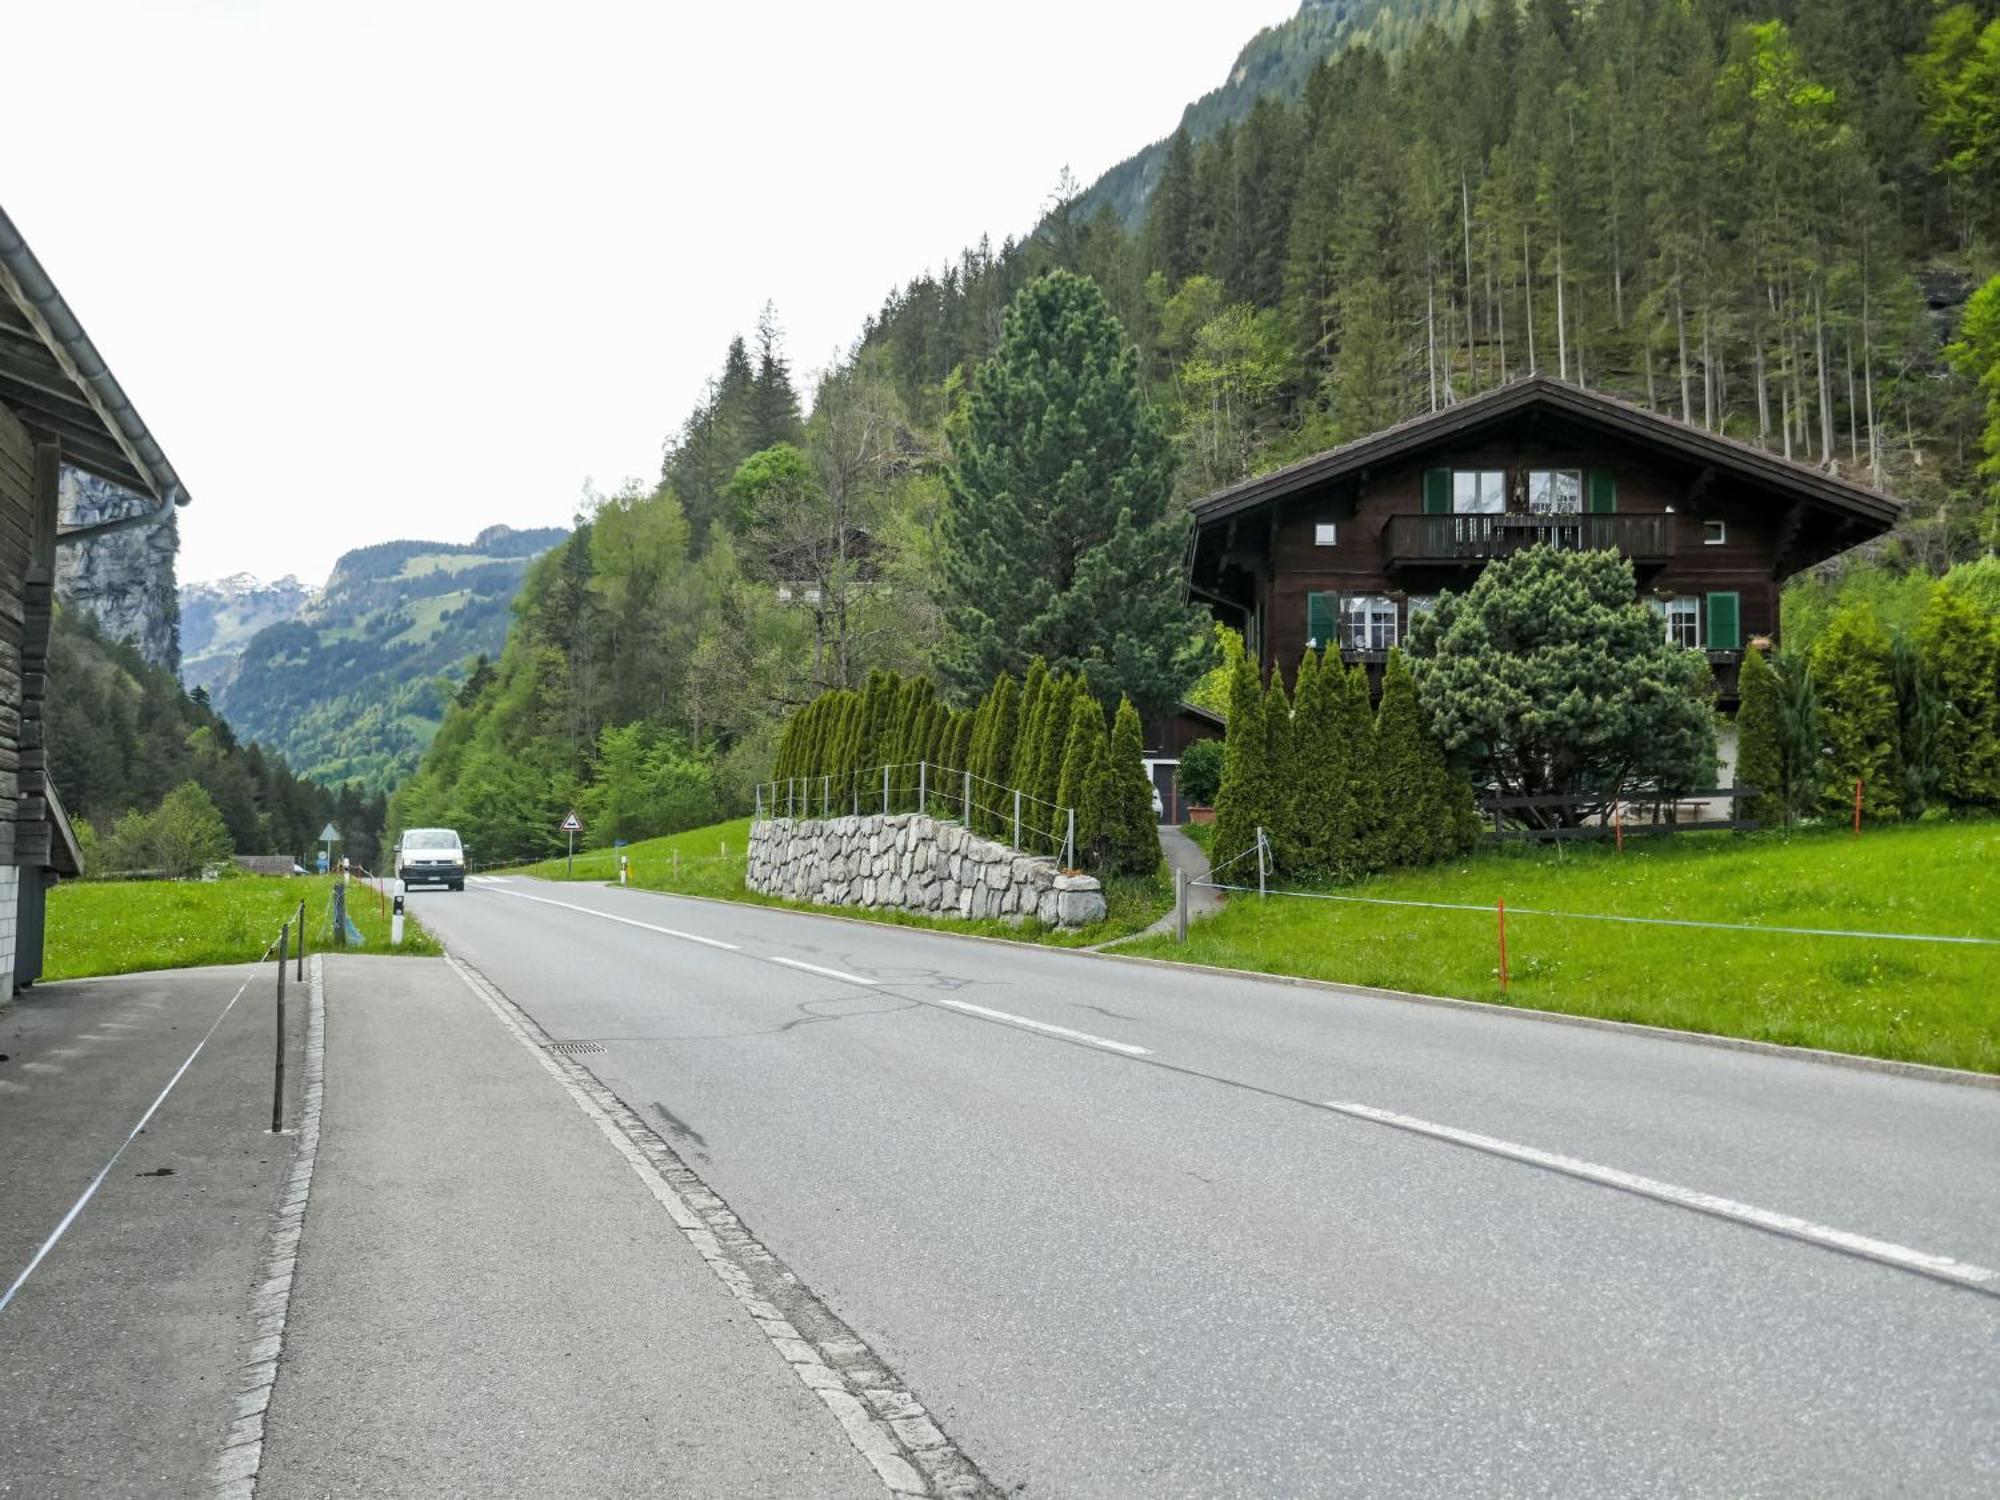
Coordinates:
[576,1049]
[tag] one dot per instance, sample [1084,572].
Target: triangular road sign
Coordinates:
[329,835]
[572,823]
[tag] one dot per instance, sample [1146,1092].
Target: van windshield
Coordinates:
[430,838]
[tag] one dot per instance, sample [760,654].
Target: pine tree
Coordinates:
[1371,850]
[1277,774]
[1020,760]
[1853,670]
[1238,804]
[1320,816]
[1961,649]
[773,404]
[1426,807]
[1059,708]
[1081,747]
[1760,760]
[1127,797]
[1170,215]
[1059,536]
[1006,729]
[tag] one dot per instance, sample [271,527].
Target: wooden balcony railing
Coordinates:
[1480,538]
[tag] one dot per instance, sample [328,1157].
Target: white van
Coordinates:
[431,856]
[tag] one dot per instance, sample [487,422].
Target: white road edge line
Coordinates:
[1941,1266]
[840,974]
[1062,1031]
[591,911]
[888,1446]
[97,1182]
[234,1476]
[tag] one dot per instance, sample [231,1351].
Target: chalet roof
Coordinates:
[53,378]
[1499,408]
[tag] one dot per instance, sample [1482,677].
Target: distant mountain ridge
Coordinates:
[1275,63]
[350,680]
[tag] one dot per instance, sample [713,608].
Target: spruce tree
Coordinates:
[1760,760]
[1853,671]
[1021,760]
[1005,730]
[1059,534]
[1128,797]
[1322,810]
[1059,708]
[1410,833]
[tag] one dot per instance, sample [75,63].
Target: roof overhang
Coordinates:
[55,381]
[1869,509]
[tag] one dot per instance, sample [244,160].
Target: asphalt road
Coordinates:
[1102,1221]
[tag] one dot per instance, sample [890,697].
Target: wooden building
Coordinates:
[1344,547]
[59,405]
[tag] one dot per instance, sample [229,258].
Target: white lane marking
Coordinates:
[1063,1031]
[105,1171]
[489,879]
[840,974]
[846,978]
[591,911]
[1942,1266]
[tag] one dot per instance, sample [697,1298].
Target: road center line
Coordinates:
[1062,1031]
[591,911]
[840,974]
[1942,1267]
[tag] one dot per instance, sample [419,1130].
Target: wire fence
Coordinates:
[1499,910]
[1024,821]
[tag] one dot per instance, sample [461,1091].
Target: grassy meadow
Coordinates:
[1921,1002]
[121,927]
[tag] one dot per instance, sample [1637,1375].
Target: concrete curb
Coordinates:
[1858,1062]
[234,1476]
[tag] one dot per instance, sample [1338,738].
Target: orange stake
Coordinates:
[1857,807]
[1503,945]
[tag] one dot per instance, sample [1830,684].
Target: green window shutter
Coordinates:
[1603,492]
[1322,616]
[1724,631]
[1437,492]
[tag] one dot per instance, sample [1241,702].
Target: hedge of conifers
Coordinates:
[1341,788]
[1046,736]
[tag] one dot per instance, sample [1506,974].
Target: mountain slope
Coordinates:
[1276,63]
[349,682]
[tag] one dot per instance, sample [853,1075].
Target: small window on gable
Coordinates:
[1325,534]
[1714,533]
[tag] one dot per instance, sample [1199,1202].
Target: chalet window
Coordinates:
[1555,492]
[1325,534]
[1367,622]
[1479,492]
[1684,621]
[1714,533]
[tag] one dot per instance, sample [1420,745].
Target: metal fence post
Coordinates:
[885,791]
[826,796]
[302,940]
[278,1072]
[965,799]
[1017,817]
[923,785]
[757,816]
[1069,843]
[1260,862]
[1180,906]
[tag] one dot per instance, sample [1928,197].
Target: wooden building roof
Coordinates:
[1561,411]
[55,381]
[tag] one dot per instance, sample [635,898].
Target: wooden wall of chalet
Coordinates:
[1358,564]
[18,497]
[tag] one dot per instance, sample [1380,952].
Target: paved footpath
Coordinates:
[491,1301]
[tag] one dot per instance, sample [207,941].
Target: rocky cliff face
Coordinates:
[124,578]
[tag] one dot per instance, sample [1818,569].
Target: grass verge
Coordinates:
[1918,1002]
[711,864]
[122,927]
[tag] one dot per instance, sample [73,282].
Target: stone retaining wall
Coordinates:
[914,862]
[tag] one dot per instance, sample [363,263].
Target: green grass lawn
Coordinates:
[706,870]
[120,927]
[1922,1002]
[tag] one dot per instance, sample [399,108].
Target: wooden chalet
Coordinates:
[1343,548]
[59,405]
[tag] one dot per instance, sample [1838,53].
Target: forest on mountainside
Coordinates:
[1762,218]
[123,735]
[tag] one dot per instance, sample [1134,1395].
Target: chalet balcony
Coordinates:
[1433,541]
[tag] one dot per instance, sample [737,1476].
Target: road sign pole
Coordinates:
[569,868]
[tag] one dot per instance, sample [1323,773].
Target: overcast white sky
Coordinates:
[372,270]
